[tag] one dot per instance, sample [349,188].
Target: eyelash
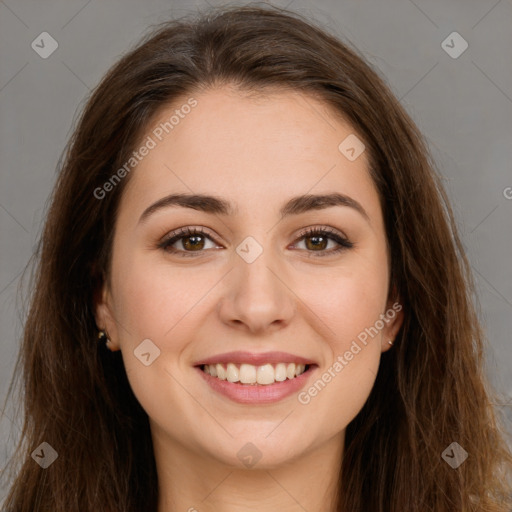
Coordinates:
[169,240]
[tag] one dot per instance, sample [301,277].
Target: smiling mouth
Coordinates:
[251,375]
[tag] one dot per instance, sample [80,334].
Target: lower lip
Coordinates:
[258,394]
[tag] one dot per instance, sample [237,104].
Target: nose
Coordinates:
[257,298]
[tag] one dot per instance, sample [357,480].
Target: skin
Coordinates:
[256,153]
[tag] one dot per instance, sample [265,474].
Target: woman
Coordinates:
[251,225]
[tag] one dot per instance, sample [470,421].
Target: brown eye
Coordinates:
[317,240]
[192,241]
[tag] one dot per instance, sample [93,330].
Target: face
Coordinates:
[308,284]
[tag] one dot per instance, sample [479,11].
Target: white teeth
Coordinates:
[221,372]
[266,374]
[280,372]
[250,374]
[298,369]
[247,374]
[232,373]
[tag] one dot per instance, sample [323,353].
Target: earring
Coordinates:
[103,336]
[391,342]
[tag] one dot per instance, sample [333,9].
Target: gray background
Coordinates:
[463,105]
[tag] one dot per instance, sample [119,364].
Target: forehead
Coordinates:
[254,150]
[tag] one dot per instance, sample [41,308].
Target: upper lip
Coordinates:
[255,359]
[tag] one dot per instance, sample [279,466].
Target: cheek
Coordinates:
[354,308]
[154,299]
[350,303]
[344,382]
[156,302]
[348,299]
[340,390]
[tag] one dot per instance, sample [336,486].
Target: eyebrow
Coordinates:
[218,206]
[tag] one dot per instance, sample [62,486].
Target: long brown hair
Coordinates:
[430,389]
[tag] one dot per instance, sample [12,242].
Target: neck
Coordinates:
[192,482]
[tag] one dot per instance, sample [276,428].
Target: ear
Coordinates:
[393,319]
[103,313]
